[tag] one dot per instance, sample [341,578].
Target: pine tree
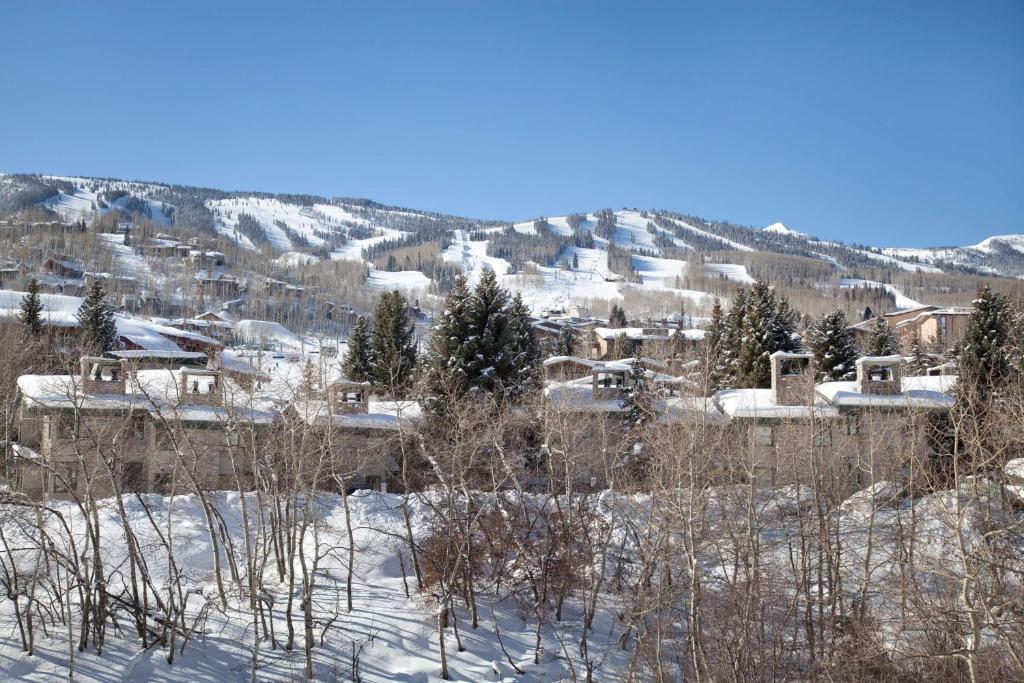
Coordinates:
[639,403]
[96,321]
[482,341]
[768,325]
[617,317]
[565,345]
[920,362]
[523,349]
[726,372]
[575,261]
[31,315]
[984,359]
[488,318]
[883,341]
[392,343]
[447,371]
[835,352]
[357,364]
[713,345]
[678,344]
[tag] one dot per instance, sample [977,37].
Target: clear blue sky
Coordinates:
[880,122]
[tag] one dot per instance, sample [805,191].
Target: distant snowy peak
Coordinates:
[781,229]
[1000,243]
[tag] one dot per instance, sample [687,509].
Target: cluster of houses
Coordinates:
[861,429]
[127,423]
[152,415]
[150,421]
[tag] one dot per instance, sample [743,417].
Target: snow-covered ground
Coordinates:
[353,249]
[728,244]
[472,256]
[269,212]
[902,301]
[781,229]
[403,280]
[730,271]
[396,636]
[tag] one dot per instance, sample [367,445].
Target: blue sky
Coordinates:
[877,122]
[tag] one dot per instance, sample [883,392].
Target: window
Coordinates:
[65,478]
[880,373]
[851,425]
[763,435]
[823,439]
[793,367]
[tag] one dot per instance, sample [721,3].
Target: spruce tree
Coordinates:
[919,362]
[678,344]
[31,315]
[883,341]
[482,341]
[447,365]
[768,325]
[96,321]
[713,343]
[523,349]
[617,317]
[984,359]
[835,352]
[726,372]
[491,360]
[392,343]
[639,403]
[565,345]
[357,364]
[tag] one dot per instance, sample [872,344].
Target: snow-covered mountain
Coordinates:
[997,255]
[554,261]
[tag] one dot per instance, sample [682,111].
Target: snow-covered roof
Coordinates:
[555,360]
[793,355]
[154,391]
[577,396]
[162,355]
[760,404]
[689,409]
[880,360]
[636,333]
[931,392]
[381,415]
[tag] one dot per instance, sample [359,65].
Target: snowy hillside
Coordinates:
[998,255]
[583,258]
[391,631]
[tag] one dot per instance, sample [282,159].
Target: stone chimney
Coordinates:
[792,378]
[345,398]
[880,375]
[610,382]
[199,386]
[103,375]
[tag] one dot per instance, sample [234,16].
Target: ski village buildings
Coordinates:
[173,409]
[194,401]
